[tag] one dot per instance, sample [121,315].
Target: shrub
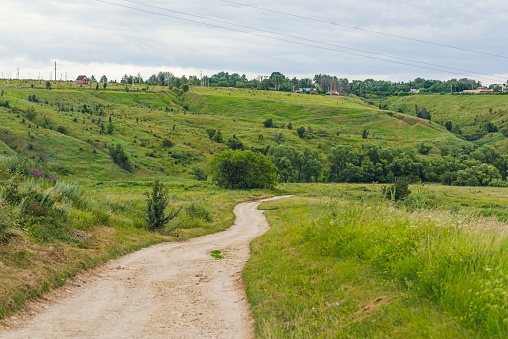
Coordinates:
[120,157]
[167,143]
[301,132]
[235,144]
[156,203]
[268,123]
[398,191]
[196,211]
[198,173]
[365,134]
[423,148]
[243,170]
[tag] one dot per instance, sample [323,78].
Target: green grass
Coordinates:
[394,271]
[143,119]
[470,112]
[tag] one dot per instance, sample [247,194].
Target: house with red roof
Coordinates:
[82,80]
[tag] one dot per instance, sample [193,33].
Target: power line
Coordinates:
[295,42]
[314,41]
[365,30]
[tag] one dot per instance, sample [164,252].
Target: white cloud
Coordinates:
[84,34]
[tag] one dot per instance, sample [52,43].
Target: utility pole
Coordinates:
[18,73]
[55,70]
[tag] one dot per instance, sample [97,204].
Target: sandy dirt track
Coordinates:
[174,290]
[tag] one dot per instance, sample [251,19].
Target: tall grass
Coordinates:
[459,262]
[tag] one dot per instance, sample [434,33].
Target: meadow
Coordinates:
[340,260]
[343,261]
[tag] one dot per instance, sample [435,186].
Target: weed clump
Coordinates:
[398,191]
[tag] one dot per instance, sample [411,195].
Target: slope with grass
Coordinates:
[72,129]
[469,112]
[341,261]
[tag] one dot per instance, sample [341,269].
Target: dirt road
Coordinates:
[175,290]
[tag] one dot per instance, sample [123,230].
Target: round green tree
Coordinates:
[242,170]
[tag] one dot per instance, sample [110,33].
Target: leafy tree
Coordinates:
[120,157]
[423,114]
[92,79]
[185,88]
[211,133]
[104,85]
[490,127]
[481,175]
[156,202]
[48,85]
[235,144]
[198,173]
[97,87]
[167,143]
[365,134]
[110,128]
[423,148]
[218,137]
[268,123]
[242,170]
[448,126]
[301,132]
[104,79]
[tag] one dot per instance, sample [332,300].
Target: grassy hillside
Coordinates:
[469,112]
[341,261]
[62,127]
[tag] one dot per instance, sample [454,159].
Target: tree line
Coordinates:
[320,83]
[466,166]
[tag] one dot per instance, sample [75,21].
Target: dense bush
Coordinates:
[242,170]
[120,157]
[198,173]
[398,191]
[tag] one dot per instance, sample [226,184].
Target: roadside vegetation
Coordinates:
[344,261]
[50,229]
[366,248]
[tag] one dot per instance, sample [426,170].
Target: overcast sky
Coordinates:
[96,38]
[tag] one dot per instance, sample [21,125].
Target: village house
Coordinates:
[82,80]
[414,91]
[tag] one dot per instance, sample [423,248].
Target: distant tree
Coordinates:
[423,113]
[218,137]
[365,134]
[301,132]
[490,127]
[167,143]
[211,133]
[48,85]
[104,85]
[448,126]
[185,87]
[268,123]
[120,157]
[110,128]
[290,125]
[235,144]
[198,173]
[104,78]
[97,87]
[423,148]
[92,79]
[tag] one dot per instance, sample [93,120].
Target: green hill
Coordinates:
[470,113]
[67,127]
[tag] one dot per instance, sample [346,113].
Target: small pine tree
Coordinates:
[156,203]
